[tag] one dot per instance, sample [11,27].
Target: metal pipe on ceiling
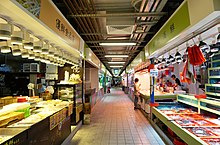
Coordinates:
[110,34]
[146,14]
[71,8]
[84,21]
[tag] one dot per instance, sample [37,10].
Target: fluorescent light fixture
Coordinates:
[116,62]
[116,55]
[117,44]
[116,66]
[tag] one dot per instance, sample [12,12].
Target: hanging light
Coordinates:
[5,31]
[163,60]
[37,57]
[4,47]
[203,66]
[171,58]
[45,48]
[204,47]
[38,46]
[168,61]
[173,61]
[56,53]
[16,51]
[214,48]
[24,53]
[31,54]
[27,40]
[17,36]
[177,55]
[51,51]
[178,60]
[60,55]
[218,38]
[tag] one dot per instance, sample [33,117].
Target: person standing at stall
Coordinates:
[177,84]
[136,92]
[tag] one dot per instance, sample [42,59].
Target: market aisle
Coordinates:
[115,122]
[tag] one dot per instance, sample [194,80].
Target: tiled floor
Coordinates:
[115,122]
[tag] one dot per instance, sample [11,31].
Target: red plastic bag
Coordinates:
[188,73]
[195,55]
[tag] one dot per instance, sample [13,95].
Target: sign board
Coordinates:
[154,72]
[54,19]
[175,25]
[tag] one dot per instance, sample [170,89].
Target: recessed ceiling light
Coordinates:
[116,55]
[116,66]
[116,62]
[117,44]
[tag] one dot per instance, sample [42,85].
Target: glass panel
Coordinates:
[213,89]
[215,72]
[216,57]
[215,64]
[214,81]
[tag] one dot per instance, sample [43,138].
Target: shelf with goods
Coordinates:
[73,93]
[182,119]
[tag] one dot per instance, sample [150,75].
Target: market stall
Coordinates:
[34,52]
[191,52]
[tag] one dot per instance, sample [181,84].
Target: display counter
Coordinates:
[144,101]
[48,124]
[182,121]
[157,95]
[9,136]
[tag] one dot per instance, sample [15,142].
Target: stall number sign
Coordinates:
[154,72]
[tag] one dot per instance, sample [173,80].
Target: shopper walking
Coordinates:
[109,87]
[136,92]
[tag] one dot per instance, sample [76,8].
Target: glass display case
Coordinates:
[72,93]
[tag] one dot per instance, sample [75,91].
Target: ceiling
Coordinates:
[99,21]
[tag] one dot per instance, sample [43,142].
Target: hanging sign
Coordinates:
[154,72]
[54,19]
[175,25]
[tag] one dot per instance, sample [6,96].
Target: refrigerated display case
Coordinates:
[182,120]
[72,93]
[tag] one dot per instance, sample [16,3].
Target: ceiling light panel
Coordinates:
[116,62]
[116,66]
[117,44]
[116,56]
